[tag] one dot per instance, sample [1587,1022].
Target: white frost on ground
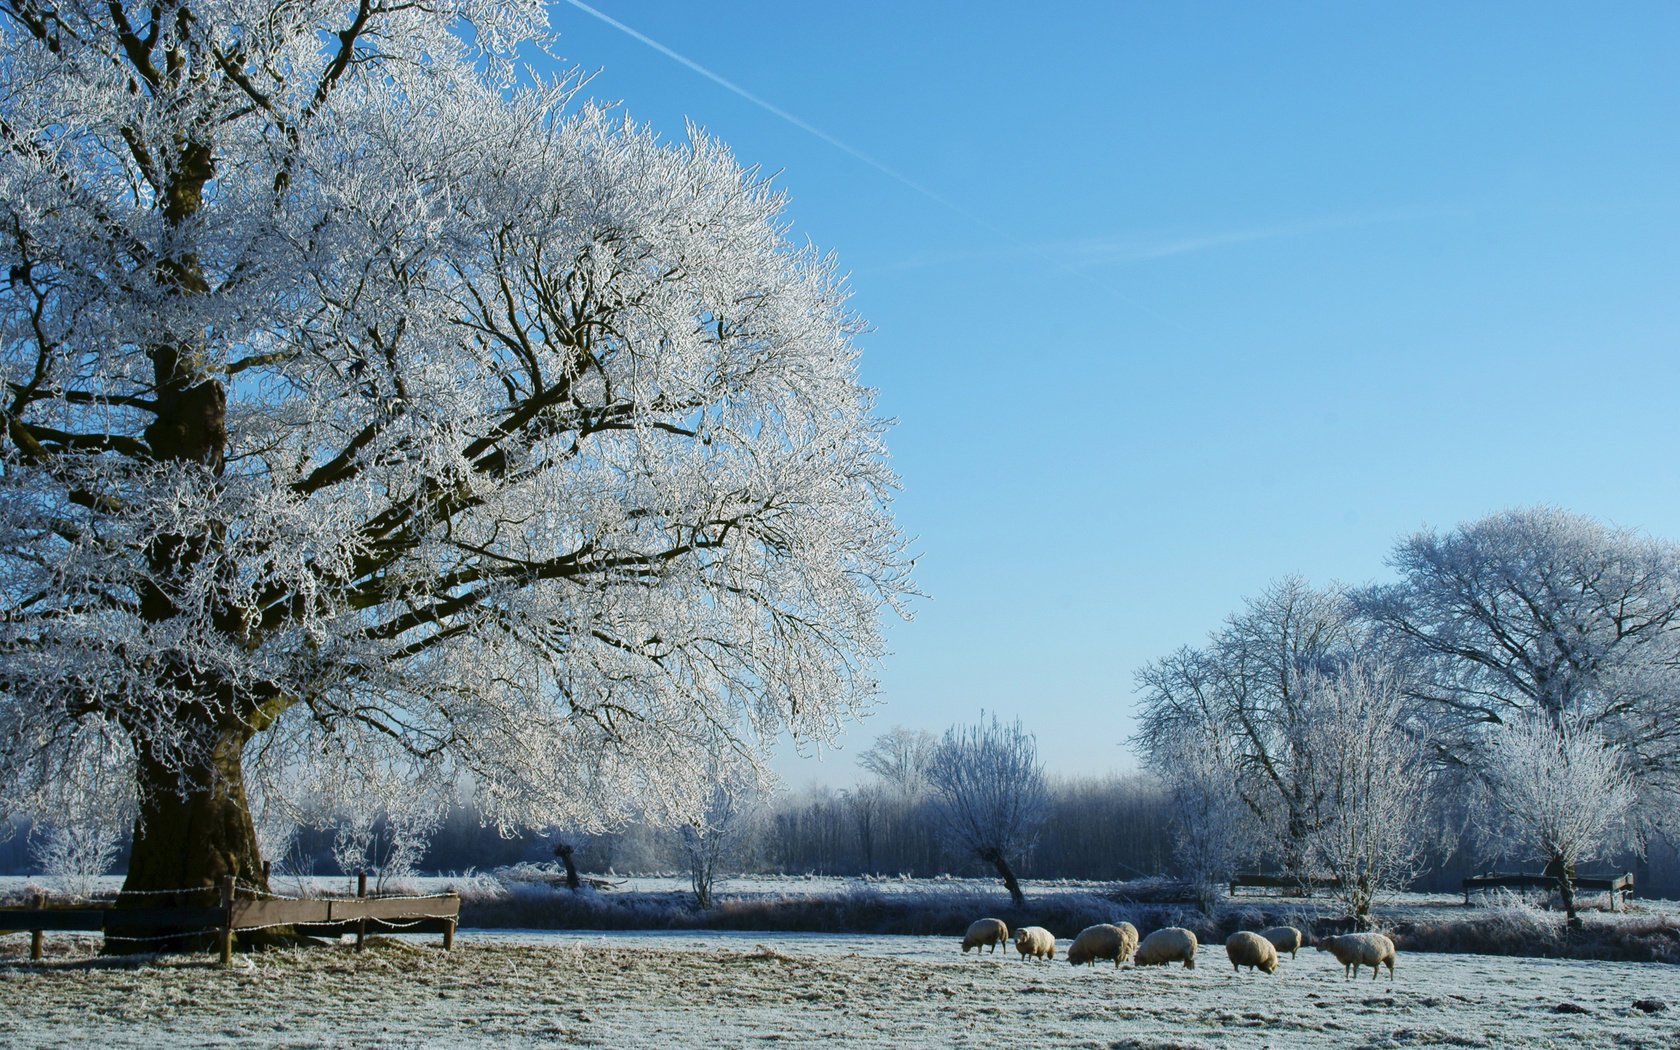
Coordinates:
[629,990]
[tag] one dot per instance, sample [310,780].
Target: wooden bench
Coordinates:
[1290,885]
[1617,886]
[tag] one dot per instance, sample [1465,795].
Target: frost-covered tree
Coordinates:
[899,758]
[1214,829]
[989,793]
[1542,612]
[1369,782]
[1557,791]
[715,837]
[368,408]
[1245,688]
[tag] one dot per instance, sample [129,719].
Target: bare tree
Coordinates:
[565,851]
[1242,695]
[867,807]
[1369,783]
[900,757]
[1558,791]
[1115,826]
[989,792]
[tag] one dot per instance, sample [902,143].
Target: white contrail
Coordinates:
[981,221]
[768,107]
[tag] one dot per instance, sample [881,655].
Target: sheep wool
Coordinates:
[1036,942]
[1249,949]
[1103,941]
[1354,950]
[1284,939]
[985,933]
[1169,945]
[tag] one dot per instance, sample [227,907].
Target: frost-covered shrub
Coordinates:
[74,855]
[83,808]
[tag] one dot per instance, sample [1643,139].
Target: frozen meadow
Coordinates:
[715,988]
[539,989]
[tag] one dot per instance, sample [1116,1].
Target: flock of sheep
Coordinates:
[1257,951]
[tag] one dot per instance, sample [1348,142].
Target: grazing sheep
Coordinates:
[1284,939]
[1103,941]
[1354,950]
[1251,950]
[1165,946]
[1035,941]
[985,933]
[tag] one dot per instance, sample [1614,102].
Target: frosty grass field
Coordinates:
[703,989]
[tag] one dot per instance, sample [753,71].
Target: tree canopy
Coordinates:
[1538,612]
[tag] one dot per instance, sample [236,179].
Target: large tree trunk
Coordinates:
[996,859]
[194,829]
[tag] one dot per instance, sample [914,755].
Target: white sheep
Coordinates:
[985,933]
[1354,950]
[1165,946]
[1249,949]
[1284,939]
[1104,941]
[1035,941]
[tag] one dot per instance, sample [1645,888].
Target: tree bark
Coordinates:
[1564,872]
[194,829]
[996,859]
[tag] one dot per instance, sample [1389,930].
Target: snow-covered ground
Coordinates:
[624,990]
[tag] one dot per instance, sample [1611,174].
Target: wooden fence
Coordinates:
[1289,885]
[239,909]
[1616,885]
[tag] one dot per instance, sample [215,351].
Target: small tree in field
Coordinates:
[1556,791]
[715,839]
[1369,782]
[989,792]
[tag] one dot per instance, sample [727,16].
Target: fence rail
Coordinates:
[235,913]
[1616,885]
[1291,885]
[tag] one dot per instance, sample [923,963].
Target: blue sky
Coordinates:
[1173,299]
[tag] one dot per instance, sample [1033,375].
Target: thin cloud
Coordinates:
[1121,249]
[1129,249]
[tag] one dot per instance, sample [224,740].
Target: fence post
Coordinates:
[449,924]
[361,924]
[38,902]
[227,921]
